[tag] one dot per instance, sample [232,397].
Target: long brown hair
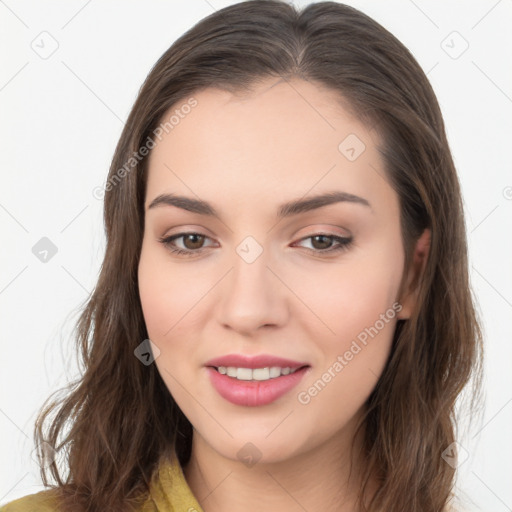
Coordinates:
[122,417]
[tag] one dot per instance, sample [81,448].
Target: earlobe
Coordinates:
[419,262]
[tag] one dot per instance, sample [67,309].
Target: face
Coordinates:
[315,284]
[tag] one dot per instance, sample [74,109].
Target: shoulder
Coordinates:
[43,501]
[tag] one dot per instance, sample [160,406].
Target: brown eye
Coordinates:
[322,243]
[185,244]
[193,241]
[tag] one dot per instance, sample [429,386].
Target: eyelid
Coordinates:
[166,239]
[340,243]
[319,231]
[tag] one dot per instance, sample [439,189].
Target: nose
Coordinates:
[253,296]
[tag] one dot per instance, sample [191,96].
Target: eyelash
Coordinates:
[344,244]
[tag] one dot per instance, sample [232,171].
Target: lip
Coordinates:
[259,361]
[254,393]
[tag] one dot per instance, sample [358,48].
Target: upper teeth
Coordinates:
[256,373]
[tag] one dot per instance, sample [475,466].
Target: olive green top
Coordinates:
[169,492]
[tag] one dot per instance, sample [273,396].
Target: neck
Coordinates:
[320,479]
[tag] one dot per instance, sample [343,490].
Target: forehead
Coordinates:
[292,136]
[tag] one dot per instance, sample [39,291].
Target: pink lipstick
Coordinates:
[254,380]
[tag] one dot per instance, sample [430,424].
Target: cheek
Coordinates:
[156,300]
[165,300]
[343,299]
[350,362]
[162,310]
[167,296]
[356,302]
[362,316]
[173,297]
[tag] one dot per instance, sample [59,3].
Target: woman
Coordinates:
[283,319]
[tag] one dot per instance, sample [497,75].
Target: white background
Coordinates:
[61,118]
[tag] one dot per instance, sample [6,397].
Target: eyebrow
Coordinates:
[287,209]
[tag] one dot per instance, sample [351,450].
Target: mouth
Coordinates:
[257,374]
[254,387]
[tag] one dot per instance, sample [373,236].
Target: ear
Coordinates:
[417,267]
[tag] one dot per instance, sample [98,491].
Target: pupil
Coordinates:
[198,240]
[320,237]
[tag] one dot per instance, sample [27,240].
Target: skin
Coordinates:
[247,154]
